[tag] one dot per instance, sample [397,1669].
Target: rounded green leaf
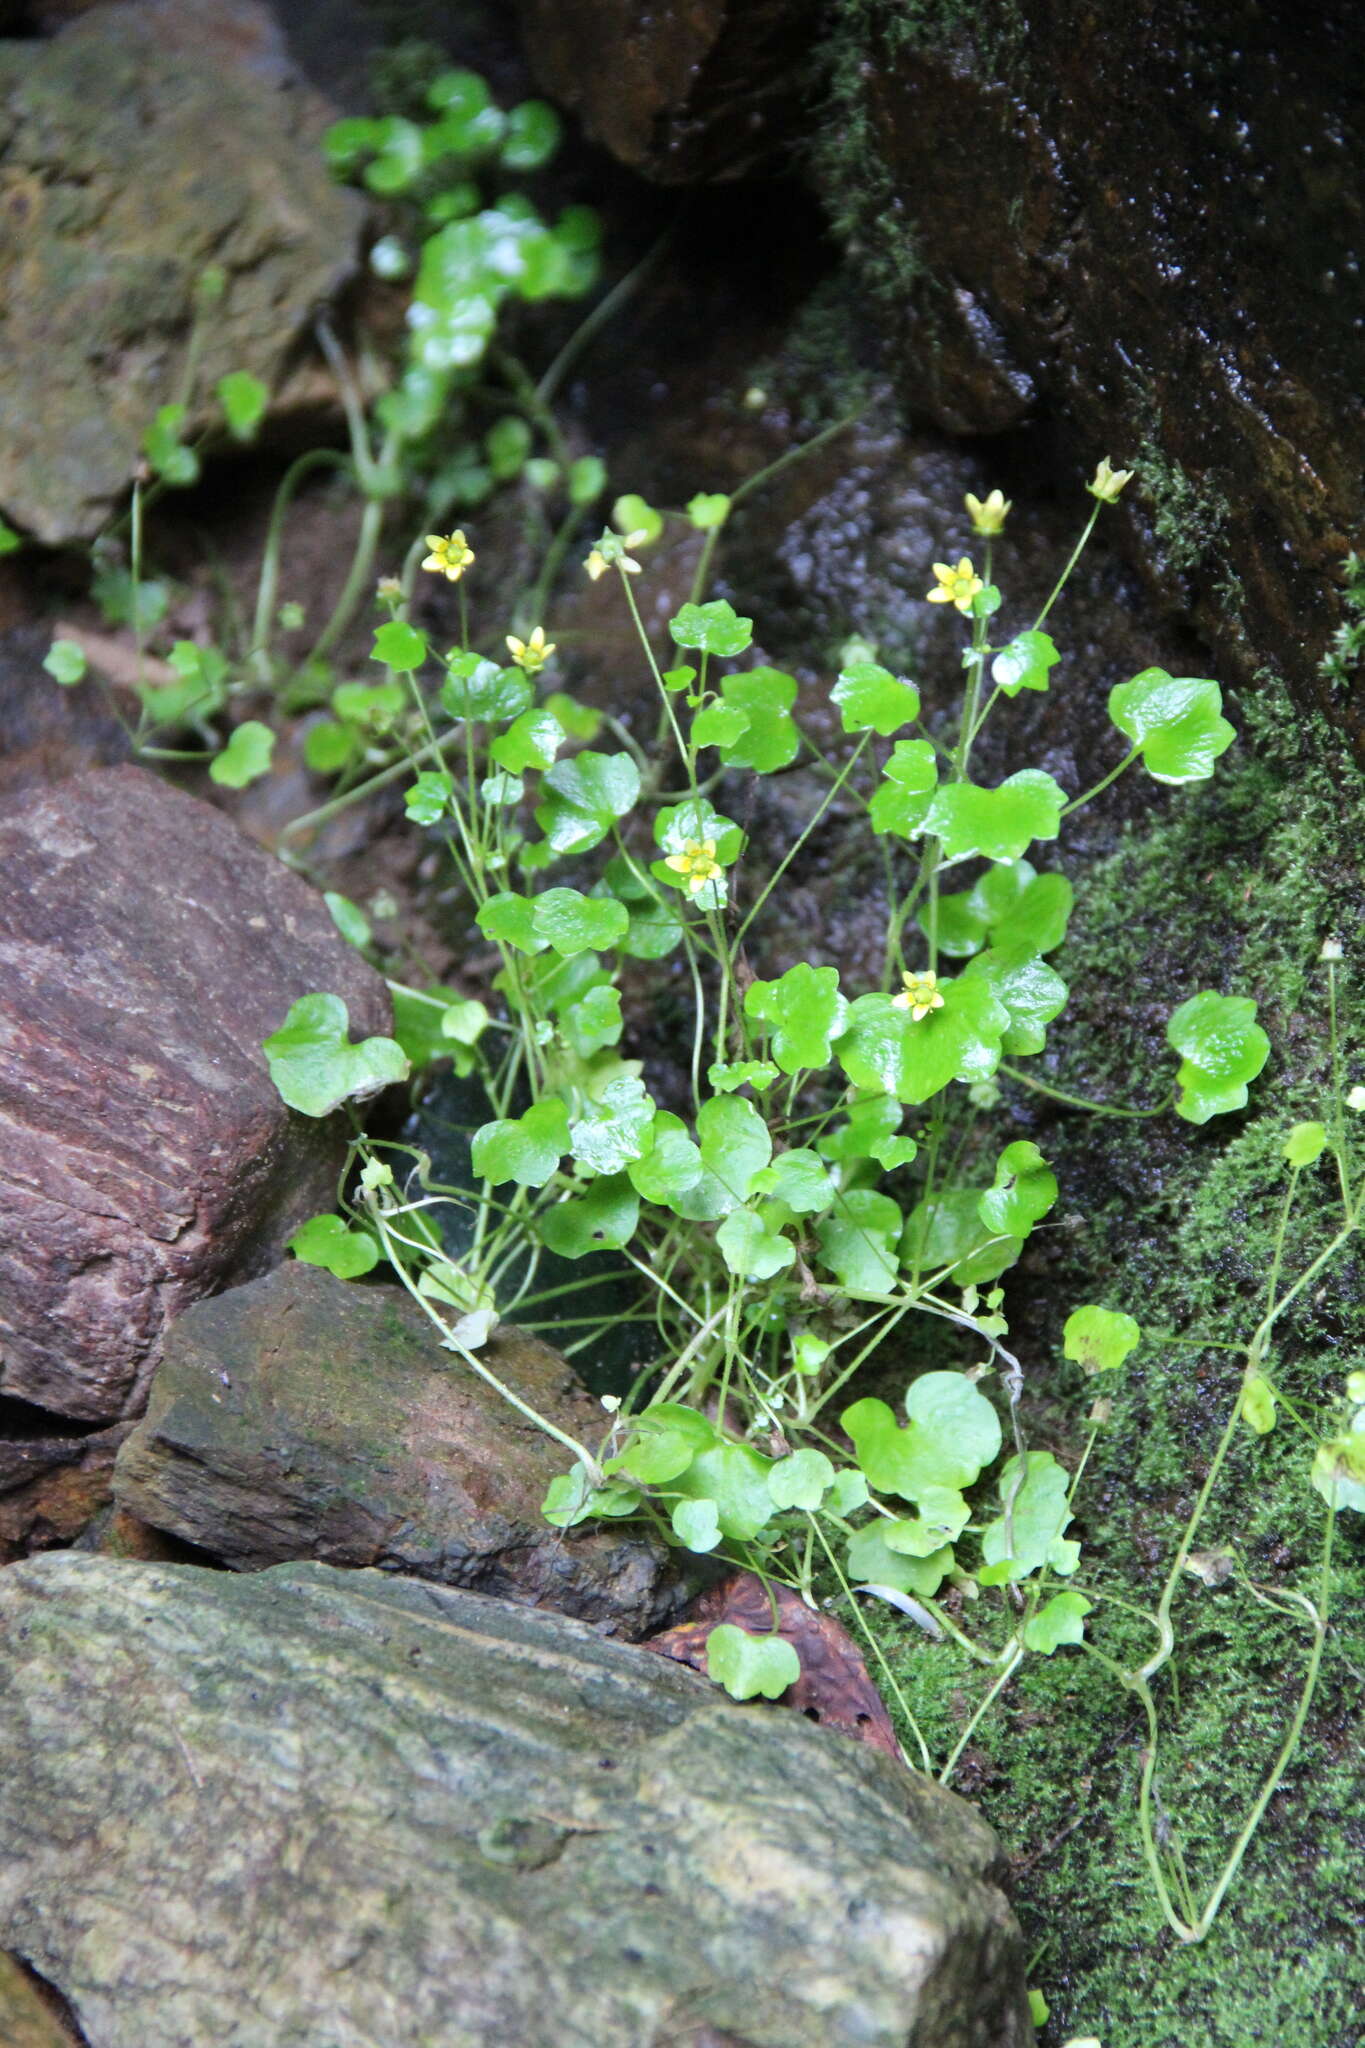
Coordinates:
[859,1240]
[512,919]
[594,1022]
[801,1480]
[327,1241]
[696,1525]
[1258,1405]
[399,646]
[872,698]
[999,823]
[427,800]
[526,1149]
[65,662]
[714,627]
[1025,1189]
[1223,1048]
[749,1666]
[871,1561]
[630,515]
[943,1515]
[708,510]
[245,758]
[734,1142]
[1027,988]
[946,1233]
[1024,663]
[727,1075]
[1023,912]
[886,1050]
[612,1131]
[1305,1143]
[719,725]
[574,923]
[602,1219]
[1174,722]
[800,1179]
[953,1433]
[243,399]
[901,802]
[736,1479]
[1099,1338]
[770,738]
[350,920]
[1061,1621]
[530,741]
[805,1012]
[584,797]
[314,1065]
[750,1249]
[531,136]
[669,1165]
[1038,1516]
[481,692]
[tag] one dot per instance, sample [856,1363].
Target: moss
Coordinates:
[1346,650]
[1232,886]
[867,213]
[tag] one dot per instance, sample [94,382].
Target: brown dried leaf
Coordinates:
[834,1687]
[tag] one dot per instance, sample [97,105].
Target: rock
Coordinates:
[138,146]
[146,949]
[302,1417]
[302,1806]
[51,1487]
[1152,234]
[28,2016]
[704,90]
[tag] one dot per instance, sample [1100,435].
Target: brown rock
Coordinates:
[1152,232]
[702,89]
[52,1487]
[139,146]
[302,1417]
[30,2014]
[145,951]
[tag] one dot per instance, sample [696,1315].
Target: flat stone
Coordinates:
[138,146]
[303,1806]
[146,949]
[307,1417]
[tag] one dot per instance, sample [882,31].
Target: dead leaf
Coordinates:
[834,1687]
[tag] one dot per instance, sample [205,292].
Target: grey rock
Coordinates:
[139,145]
[305,1417]
[146,949]
[302,1807]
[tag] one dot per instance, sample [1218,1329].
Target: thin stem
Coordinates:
[1103,783]
[1083,1101]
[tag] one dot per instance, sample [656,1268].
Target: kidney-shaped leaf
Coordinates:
[1175,722]
[315,1066]
[1222,1048]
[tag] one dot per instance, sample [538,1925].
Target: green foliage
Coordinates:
[315,1065]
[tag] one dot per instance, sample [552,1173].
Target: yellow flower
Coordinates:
[990,517]
[611,550]
[956,586]
[1108,482]
[920,995]
[531,654]
[697,863]
[450,555]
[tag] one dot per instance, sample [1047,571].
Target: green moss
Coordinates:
[1234,887]
[1341,663]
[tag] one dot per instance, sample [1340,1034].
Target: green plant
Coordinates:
[460,417]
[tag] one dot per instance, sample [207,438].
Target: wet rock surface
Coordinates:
[302,1417]
[1148,239]
[353,1809]
[141,144]
[146,949]
[706,89]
